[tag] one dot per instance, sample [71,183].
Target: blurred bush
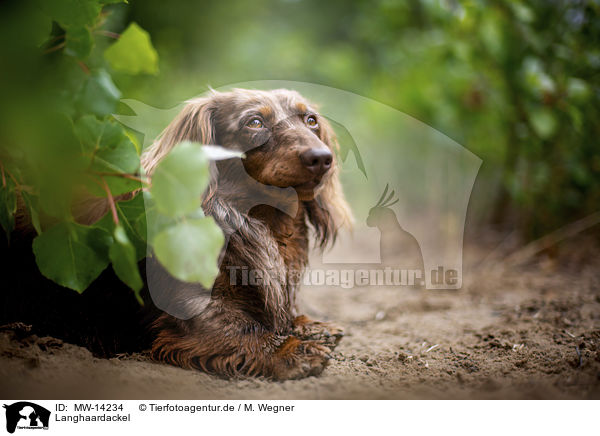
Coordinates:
[516,82]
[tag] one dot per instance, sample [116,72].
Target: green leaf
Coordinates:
[111,151]
[95,135]
[180,179]
[155,221]
[70,13]
[190,250]
[72,255]
[123,257]
[132,218]
[117,185]
[543,122]
[577,89]
[99,95]
[522,12]
[55,164]
[8,204]
[32,204]
[41,26]
[120,157]
[133,53]
[91,133]
[55,197]
[79,42]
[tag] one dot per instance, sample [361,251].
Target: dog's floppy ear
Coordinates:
[329,211]
[194,123]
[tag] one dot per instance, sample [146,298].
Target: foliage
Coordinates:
[64,154]
[180,180]
[185,241]
[133,52]
[514,81]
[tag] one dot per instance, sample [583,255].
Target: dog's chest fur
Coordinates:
[290,234]
[291,237]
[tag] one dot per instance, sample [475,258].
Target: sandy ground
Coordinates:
[530,331]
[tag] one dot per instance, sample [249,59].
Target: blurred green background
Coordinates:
[515,82]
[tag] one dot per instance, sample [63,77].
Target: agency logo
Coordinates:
[24,415]
[407,184]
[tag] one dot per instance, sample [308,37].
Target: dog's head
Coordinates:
[287,143]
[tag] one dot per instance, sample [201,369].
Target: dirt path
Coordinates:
[527,332]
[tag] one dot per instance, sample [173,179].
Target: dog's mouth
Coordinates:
[308,186]
[308,190]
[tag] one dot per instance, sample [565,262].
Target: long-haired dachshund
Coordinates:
[254,329]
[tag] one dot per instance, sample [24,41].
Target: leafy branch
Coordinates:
[76,146]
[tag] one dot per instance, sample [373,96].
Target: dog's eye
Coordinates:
[311,121]
[255,123]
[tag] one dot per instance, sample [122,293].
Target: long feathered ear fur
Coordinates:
[194,123]
[329,211]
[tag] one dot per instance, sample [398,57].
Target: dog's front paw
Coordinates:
[297,359]
[325,333]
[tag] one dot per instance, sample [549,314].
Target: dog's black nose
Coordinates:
[317,160]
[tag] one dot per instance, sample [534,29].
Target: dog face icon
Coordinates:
[26,414]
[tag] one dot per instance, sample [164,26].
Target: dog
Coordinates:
[255,329]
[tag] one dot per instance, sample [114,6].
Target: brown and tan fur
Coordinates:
[255,330]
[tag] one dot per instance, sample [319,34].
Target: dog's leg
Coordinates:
[296,358]
[324,333]
[237,350]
